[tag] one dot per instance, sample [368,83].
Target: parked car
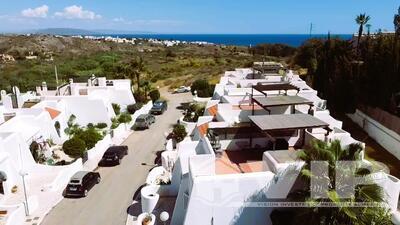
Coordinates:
[114,155]
[182,89]
[159,107]
[81,182]
[144,121]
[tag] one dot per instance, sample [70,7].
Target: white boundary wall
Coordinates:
[389,139]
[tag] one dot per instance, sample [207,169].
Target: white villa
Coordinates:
[235,157]
[42,116]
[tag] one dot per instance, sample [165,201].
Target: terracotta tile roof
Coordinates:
[53,113]
[203,129]
[213,110]
[224,165]
[238,161]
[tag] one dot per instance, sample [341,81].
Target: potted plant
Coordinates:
[147,220]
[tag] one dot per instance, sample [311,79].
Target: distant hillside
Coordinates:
[66,31]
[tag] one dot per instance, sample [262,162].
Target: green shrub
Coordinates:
[74,147]
[114,122]
[114,125]
[90,125]
[179,132]
[134,107]
[140,96]
[203,88]
[195,109]
[101,125]
[124,118]
[117,108]
[154,95]
[90,137]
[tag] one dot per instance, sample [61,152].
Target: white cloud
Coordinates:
[119,19]
[77,12]
[39,12]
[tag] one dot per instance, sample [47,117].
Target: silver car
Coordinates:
[144,121]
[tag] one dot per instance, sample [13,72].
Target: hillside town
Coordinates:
[238,147]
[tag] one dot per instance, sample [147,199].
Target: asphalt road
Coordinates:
[107,202]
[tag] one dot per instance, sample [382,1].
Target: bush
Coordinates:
[124,118]
[154,95]
[203,88]
[89,136]
[101,125]
[179,132]
[195,109]
[134,107]
[114,123]
[74,147]
[117,108]
[140,96]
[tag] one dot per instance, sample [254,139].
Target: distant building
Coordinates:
[6,58]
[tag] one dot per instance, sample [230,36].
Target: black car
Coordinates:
[159,107]
[114,155]
[81,182]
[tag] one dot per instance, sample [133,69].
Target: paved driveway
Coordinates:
[108,201]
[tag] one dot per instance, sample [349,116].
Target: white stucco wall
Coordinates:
[389,139]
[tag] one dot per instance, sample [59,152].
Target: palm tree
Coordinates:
[361,20]
[146,85]
[134,69]
[368,26]
[340,213]
[396,22]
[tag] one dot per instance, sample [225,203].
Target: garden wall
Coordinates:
[95,154]
[388,138]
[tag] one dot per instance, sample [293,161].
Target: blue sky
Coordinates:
[197,16]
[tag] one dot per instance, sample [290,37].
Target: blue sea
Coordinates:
[294,40]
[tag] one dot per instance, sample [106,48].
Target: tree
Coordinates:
[155,95]
[89,136]
[396,23]
[203,88]
[74,147]
[134,69]
[146,85]
[134,107]
[124,118]
[117,108]
[72,126]
[340,213]
[179,132]
[361,20]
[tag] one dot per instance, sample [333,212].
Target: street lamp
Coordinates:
[23,174]
[164,216]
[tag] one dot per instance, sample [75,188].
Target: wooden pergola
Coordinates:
[276,101]
[269,124]
[282,86]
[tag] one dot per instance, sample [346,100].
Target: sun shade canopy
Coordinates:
[281,101]
[262,87]
[287,122]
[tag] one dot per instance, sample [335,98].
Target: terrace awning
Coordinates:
[281,101]
[266,102]
[284,86]
[287,122]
